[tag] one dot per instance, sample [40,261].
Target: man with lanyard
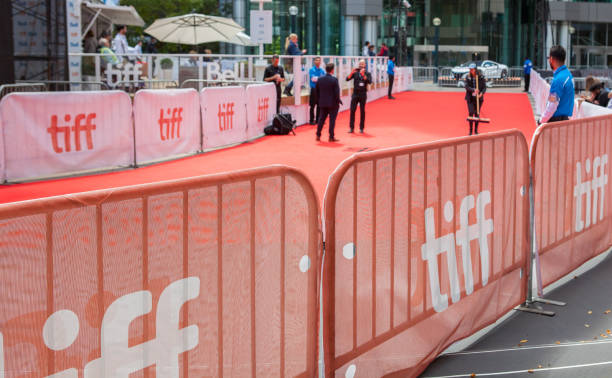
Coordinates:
[362,79]
[560,104]
[274,73]
[391,73]
[527,70]
[315,73]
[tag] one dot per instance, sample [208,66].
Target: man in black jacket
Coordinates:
[474,92]
[328,93]
[362,79]
[274,73]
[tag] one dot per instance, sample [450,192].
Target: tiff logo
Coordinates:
[434,246]
[226,116]
[590,189]
[118,358]
[172,123]
[76,130]
[262,109]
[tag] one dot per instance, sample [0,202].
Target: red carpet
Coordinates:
[415,117]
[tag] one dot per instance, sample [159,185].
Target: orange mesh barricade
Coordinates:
[425,245]
[203,277]
[573,216]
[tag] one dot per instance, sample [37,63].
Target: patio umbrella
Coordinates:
[193,29]
[242,39]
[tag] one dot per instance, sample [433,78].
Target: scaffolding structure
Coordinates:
[38,36]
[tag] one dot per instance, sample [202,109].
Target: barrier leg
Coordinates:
[529,305]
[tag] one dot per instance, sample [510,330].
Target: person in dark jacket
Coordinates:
[474,93]
[328,94]
[274,73]
[598,92]
[362,79]
[291,48]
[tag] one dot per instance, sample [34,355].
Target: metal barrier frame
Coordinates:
[6,89]
[332,362]
[51,205]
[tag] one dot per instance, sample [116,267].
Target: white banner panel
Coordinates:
[261,107]
[57,133]
[166,124]
[223,116]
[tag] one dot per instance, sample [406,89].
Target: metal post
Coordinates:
[437,42]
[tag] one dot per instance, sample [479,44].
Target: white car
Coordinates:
[489,68]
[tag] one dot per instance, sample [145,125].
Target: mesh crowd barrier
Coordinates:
[209,276]
[260,108]
[573,216]
[425,245]
[48,134]
[539,89]
[224,120]
[166,124]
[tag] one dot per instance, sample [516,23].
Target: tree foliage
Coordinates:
[151,10]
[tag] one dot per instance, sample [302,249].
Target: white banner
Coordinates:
[57,133]
[540,90]
[583,109]
[73,33]
[223,116]
[261,107]
[166,124]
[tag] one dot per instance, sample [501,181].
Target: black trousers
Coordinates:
[358,99]
[558,119]
[314,103]
[527,81]
[332,113]
[278,98]
[471,104]
[391,79]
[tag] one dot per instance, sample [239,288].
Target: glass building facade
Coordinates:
[507,31]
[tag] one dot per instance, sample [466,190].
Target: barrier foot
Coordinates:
[527,307]
[549,301]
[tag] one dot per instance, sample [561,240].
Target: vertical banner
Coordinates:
[47,134]
[73,33]
[223,116]
[166,124]
[261,107]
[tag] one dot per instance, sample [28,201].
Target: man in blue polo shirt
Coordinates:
[315,73]
[391,73]
[560,104]
[527,71]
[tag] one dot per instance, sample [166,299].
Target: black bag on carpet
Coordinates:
[283,124]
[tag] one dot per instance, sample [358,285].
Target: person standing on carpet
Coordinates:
[274,73]
[474,93]
[560,104]
[391,73]
[362,79]
[328,94]
[527,71]
[315,73]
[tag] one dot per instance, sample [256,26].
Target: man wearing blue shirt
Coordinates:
[560,104]
[315,73]
[391,73]
[527,70]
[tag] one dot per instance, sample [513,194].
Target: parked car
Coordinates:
[489,68]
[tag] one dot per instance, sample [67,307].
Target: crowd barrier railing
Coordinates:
[209,276]
[573,216]
[424,246]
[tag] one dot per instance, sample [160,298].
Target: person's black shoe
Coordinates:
[351,131]
[287,92]
[332,139]
[391,98]
[318,138]
[361,131]
[312,122]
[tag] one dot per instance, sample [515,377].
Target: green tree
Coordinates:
[151,10]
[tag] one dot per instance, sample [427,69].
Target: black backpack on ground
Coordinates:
[283,124]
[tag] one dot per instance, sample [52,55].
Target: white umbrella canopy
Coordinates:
[193,29]
[242,39]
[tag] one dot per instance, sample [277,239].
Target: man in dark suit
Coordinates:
[328,93]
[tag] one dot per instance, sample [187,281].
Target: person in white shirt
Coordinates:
[120,44]
[366,49]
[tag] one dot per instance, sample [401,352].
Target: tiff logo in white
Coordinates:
[434,246]
[590,189]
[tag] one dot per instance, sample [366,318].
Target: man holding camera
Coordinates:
[362,79]
[274,73]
